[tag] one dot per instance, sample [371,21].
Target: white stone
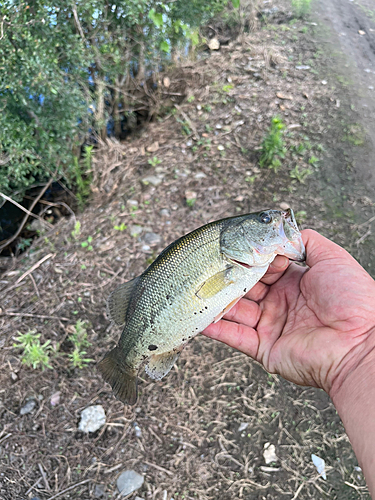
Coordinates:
[129,481]
[92,419]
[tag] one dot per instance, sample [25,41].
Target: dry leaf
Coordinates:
[153,147]
[166,82]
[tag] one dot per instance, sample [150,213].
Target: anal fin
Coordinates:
[122,380]
[118,302]
[159,365]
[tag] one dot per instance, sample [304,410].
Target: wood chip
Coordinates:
[280,95]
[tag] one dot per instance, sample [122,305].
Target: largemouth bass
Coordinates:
[193,282]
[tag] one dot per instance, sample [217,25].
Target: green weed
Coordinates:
[121,227]
[300,174]
[87,244]
[34,354]
[154,161]
[77,230]
[80,342]
[301,8]
[272,148]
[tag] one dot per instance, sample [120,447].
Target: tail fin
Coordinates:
[123,381]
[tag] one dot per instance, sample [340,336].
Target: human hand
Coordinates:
[313,326]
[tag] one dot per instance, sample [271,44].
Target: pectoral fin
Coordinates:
[159,365]
[118,302]
[215,284]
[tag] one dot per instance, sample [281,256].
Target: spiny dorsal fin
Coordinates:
[122,380]
[159,365]
[118,302]
[214,284]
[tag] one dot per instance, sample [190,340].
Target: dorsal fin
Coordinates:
[118,302]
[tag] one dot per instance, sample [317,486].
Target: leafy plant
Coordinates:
[300,174]
[272,148]
[34,354]
[154,161]
[79,341]
[77,230]
[24,243]
[121,227]
[301,8]
[87,244]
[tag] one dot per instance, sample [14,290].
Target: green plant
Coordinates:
[34,354]
[301,8]
[24,243]
[300,174]
[87,244]
[77,230]
[227,88]
[154,161]
[80,342]
[121,227]
[272,147]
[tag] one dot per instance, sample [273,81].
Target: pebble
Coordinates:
[135,230]
[243,426]
[284,206]
[92,419]
[213,44]
[129,481]
[28,407]
[164,212]
[324,82]
[146,248]
[151,179]
[303,66]
[220,147]
[132,203]
[137,430]
[218,126]
[99,491]
[152,239]
[153,147]
[200,175]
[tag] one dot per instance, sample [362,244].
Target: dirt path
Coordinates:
[353,31]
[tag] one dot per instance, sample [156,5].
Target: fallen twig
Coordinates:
[69,489]
[35,266]
[29,315]
[7,198]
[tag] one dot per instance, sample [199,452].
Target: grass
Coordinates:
[301,8]
[34,354]
[273,149]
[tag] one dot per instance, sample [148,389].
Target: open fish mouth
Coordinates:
[293,248]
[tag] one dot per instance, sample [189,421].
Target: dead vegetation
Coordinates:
[205,427]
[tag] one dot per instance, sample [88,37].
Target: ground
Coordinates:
[204,428]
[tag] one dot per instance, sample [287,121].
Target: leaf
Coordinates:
[156,18]
[236,3]
[164,46]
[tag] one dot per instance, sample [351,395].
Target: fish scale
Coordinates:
[191,284]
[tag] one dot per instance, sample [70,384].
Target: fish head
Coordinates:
[255,239]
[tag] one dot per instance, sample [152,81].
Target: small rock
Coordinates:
[218,126]
[371,87]
[269,453]
[164,212]
[152,148]
[135,230]
[28,407]
[220,147]
[55,398]
[284,206]
[151,179]
[92,419]
[320,465]
[199,107]
[146,248]
[13,376]
[324,82]
[137,430]
[152,239]
[243,426]
[138,498]
[361,32]
[129,481]
[190,195]
[99,491]
[166,82]
[213,44]
[174,206]
[200,175]
[132,203]
[303,66]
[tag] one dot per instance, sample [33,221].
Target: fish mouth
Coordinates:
[293,248]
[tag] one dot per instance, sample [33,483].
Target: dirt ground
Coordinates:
[201,432]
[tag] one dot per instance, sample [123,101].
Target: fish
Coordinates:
[195,281]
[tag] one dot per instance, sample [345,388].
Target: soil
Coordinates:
[190,444]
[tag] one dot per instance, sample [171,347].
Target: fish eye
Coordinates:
[265,218]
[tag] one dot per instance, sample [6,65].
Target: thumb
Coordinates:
[319,248]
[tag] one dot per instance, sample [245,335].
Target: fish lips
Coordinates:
[293,248]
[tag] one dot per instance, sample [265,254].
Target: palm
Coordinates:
[304,324]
